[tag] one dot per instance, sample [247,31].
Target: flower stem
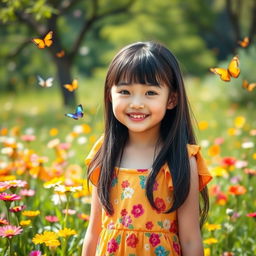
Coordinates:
[10,246]
[66,213]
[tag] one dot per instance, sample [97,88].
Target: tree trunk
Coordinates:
[64,76]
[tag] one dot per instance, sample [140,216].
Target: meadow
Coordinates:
[44,198]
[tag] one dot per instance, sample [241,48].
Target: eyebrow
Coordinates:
[129,84]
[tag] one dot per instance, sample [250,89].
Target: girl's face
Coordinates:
[141,107]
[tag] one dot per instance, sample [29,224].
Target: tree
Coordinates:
[42,16]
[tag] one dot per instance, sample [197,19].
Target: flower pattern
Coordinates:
[135,227]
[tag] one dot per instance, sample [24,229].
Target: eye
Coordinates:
[124,92]
[151,93]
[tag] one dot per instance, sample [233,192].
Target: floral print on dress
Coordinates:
[132,240]
[137,210]
[161,251]
[127,190]
[113,245]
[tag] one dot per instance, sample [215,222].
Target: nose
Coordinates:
[137,106]
[136,103]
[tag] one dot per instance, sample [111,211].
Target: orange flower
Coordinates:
[237,190]
[214,150]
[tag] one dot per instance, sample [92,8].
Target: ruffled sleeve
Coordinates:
[96,172]
[204,175]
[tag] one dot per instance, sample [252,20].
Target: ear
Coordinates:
[172,101]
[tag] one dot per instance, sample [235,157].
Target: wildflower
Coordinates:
[253,214]
[53,132]
[241,164]
[214,150]
[237,190]
[210,241]
[219,141]
[10,231]
[25,222]
[28,137]
[52,243]
[248,144]
[3,221]
[17,208]
[203,125]
[63,188]
[211,227]
[30,213]
[27,192]
[69,211]
[219,172]
[35,253]
[83,216]
[66,232]
[228,254]
[82,140]
[253,132]
[9,197]
[58,199]
[221,198]
[52,218]
[233,131]
[239,121]
[53,143]
[53,182]
[207,252]
[229,211]
[15,183]
[45,237]
[86,128]
[228,161]
[251,172]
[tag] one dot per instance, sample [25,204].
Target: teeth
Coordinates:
[138,116]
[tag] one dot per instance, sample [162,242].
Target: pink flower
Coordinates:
[253,214]
[3,221]
[9,197]
[154,239]
[124,212]
[10,231]
[15,183]
[69,211]
[176,247]
[219,141]
[132,240]
[160,204]
[137,210]
[17,208]
[126,220]
[51,218]
[35,253]
[28,137]
[149,225]
[125,184]
[27,192]
[112,246]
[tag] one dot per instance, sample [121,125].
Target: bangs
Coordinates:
[141,68]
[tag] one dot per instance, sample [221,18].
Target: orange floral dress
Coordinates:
[135,228]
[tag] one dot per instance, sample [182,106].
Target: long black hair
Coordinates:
[149,63]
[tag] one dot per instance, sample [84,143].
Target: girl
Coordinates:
[146,169]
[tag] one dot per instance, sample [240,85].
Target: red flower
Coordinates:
[112,246]
[132,240]
[18,208]
[124,212]
[253,214]
[237,190]
[154,239]
[137,210]
[176,247]
[228,161]
[173,227]
[149,225]
[125,184]
[160,204]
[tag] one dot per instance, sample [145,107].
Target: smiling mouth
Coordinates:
[137,116]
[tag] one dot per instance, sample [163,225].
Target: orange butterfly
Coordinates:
[232,71]
[60,54]
[248,86]
[45,42]
[245,42]
[73,86]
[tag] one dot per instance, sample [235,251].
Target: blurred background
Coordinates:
[86,35]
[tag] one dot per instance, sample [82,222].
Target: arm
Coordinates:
[188,218]
[94,227]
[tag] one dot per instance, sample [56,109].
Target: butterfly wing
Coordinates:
[245,42]
[72,116]
[68,87]
[60,54]
[233,67]
[74,84]
[222,72]
[41,81]
[48,39]
[79,111]
[249,87]
[39,43]
[49,82]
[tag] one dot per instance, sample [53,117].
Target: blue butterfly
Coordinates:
[79,113]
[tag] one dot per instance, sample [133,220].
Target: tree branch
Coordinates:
[94,18]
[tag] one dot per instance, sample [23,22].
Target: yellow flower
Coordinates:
[53,132]
[52,243]
[66,232]
[86,128]
[233,131]
[239,121]
[45,237]
[203,125]
[30,213]
[210,241]
[211,227]
[54,182]
[219,172]
[214,150]
[254,156]
[207,252]
[25,222]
